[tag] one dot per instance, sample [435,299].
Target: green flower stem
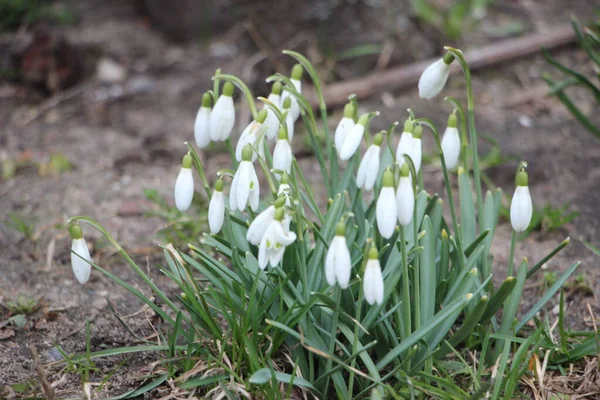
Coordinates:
[200,169]
[464,143]
[308,189]
[268,175]
[242,86]
[406,311]
[229,145]
[355,341]
[331,348]
[513,240]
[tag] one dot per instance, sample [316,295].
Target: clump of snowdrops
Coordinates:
[356,286]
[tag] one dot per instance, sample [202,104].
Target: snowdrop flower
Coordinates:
[274,241]
[368,170]
[253,135]
[451,143]
[373,280]
[289,120]
[405,197]
[386,209]
[353,138]
[521,208]
[80,255]
[405,145]
[344,126]
[245,187]
[184,185]
[296,79]
[259,226]
[338,265]
[416,153]
[282,154]
[271,124]
[222,117]
[216,208]
[202,124]
[285,191]
[434,77]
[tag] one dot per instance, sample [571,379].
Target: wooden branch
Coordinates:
[37,364]
[405,76]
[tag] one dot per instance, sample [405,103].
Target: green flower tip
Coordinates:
[285,178]
[287,103]
[444,234]
[378,139]
[276,88]
[297,72]
[448,58]
[388,178]
[521,179]
[408,125]
[469,296]
[461,170]
[279,214]
[373,254]
[75,231]
[484,298]
[261,116]
[340,229]
[280,202]
[349,110]
[404,170]
[247,153]
[187,161]
[473,272]
[452,121]
[282,134]
[219,185]
[363,120]
[184,296]
[418,132]
[206,100]
[228,89]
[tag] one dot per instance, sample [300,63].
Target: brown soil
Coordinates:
[124,145]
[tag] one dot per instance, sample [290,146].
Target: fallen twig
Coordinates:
[48,389]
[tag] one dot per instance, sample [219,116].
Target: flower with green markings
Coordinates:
[274,241]
[386,208]
[344,126]
[353,138]
[451,143]
[222,117]
[405,196]
[405,145]
[434,77]
[521,207]
[254,136]
[369,165]
[184,185]
[202,123]
[245,188]
[289,119]
[373,287]
[271,124]
[282,154]
[338,264]
[296,79]
[80,255]
[216,208]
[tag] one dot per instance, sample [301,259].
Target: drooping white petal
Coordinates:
[202,127]
[330,260]
[405,146]
[352,142]
[216,212]
[251,135]
[451,147]
[416,154]
[387,212]
[244,140]
[405,200]
[254,196]
[271,124]
[259,226]
[373,287]
[282,156]
[521,209]
[295,107]
[81,267]
[233,191]
[242,185]
[289,121]
[342,130]
[284,189]
[368,168]
[433,79]
[222,119]
[263,256]
[281,235]
[184,189]
[343,264]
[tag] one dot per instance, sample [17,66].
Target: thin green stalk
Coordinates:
[406,313]
[331,348]
[511,257]
[200,169]
[355,341]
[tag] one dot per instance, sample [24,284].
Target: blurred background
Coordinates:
[98,96]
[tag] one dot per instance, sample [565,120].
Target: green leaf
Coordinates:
[198,382]
[468,224]
[511,306]
[141,390]
[428,271]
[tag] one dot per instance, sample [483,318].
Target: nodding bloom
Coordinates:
[282,154]
[80,255]
[451,143]
[184,185]
[271,124]
[386,209]
[353,138]
[405,197]
[274,241]
[373,287]
[202,124]
[296,79]
[289,119]
[259,226]
[434,77]
[285,191]
[253,135]
[405,145]
[222,117]
[416,153]
[216,208]
[368,170]
[344,126]
[245,187]
[521,207]
[338,265]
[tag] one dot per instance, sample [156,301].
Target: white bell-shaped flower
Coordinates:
[352,140]
[245,188]
[451,143]
[373,287]
[405,145]
[259,226]
[416,153]
[296,79]
[271,124]
[222,117]
[282,154]
[80,255]
[289,120]
[202,124]
[184,185]
[253,135]
[338,264]
[434,77]
[521,207]
[274,241]
[405,197]
[216,209]
[386,209]
[344,126]
[368,170]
